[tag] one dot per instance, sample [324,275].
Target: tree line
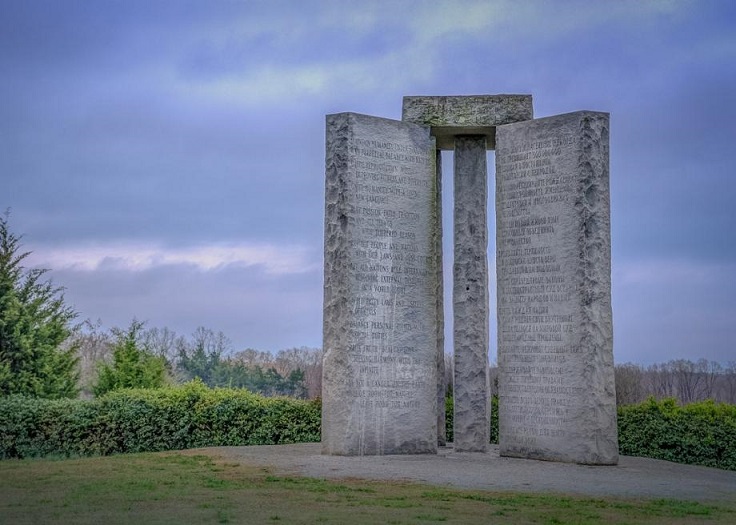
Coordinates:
[682,379]
[107,360]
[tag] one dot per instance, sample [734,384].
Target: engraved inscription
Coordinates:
[536,293]
[391,266]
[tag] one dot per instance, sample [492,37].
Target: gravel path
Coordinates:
[633,477]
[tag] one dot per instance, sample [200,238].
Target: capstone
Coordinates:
[451,116]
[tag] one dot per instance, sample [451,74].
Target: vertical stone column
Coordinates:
[470,296]
[441,425]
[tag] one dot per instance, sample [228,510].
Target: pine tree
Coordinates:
[34,322]
[133,366]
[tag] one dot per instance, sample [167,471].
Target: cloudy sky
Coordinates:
[166,159]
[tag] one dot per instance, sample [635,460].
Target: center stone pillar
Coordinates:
[470,295]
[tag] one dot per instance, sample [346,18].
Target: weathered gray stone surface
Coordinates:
[441,416]
[379,391]
[555,338]
[450,118]
[466,115]
[470,296]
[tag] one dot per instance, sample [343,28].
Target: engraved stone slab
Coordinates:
[379,393]
[555,338]
[466,115]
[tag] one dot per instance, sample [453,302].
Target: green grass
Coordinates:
[189,487]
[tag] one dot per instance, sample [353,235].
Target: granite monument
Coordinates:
[383,305]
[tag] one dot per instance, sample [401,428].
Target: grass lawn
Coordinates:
[187,487]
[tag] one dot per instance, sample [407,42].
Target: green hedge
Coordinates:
[188,416]
[698,434]
[449,411]
[701,433]
[194,415]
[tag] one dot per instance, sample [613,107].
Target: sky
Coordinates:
[166,159]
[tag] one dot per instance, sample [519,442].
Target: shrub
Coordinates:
[702,433]
[140,420]
[449,419]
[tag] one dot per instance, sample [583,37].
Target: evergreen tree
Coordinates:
[34,322]
[202,358]
[133,366]
[294,384]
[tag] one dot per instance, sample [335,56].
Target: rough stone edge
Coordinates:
[334,336]
[592,205]
[441,416]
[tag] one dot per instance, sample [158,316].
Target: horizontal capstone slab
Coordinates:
[449,117]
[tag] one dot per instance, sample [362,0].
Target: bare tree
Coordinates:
[727,390]
[688,380]
[449,374]
[251,357]
[661,381]
[94,347]
[210,341]
[308,360]
[710,372]
[493,378]
[630,384]
[163,342]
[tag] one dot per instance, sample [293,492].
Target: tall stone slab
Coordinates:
[555,338]
[470,296]
[440,352]
[380,368]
